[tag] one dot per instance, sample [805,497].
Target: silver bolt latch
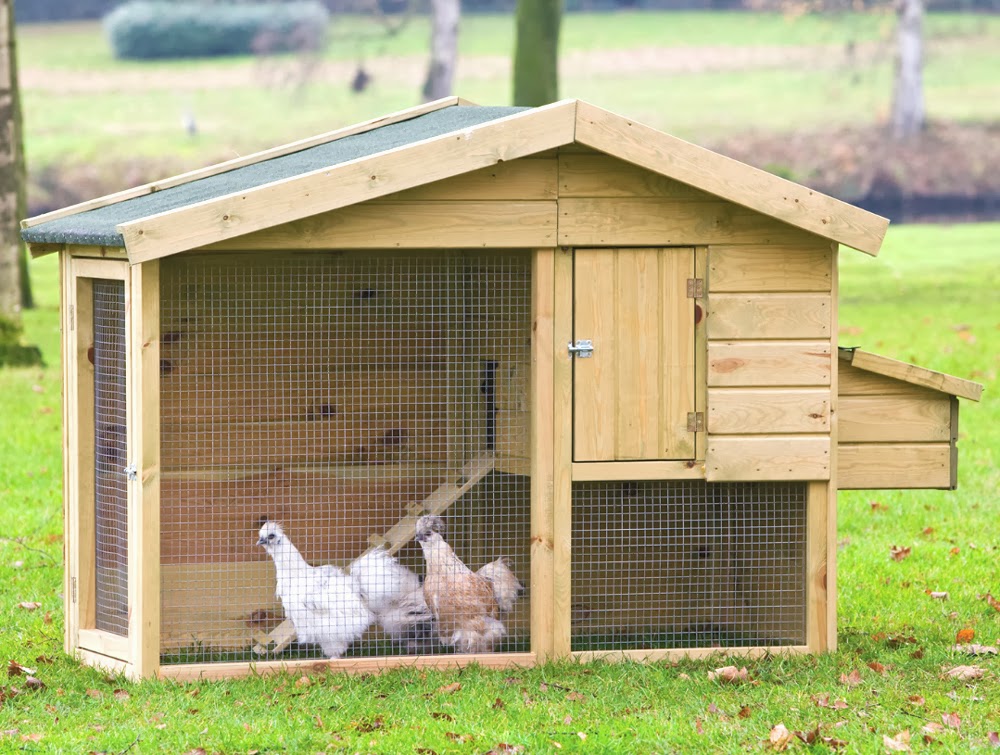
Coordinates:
[130,472]
[582,349]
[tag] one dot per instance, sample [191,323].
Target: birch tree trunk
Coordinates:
[536,52]
[908,92]
[12,261]
[444,49]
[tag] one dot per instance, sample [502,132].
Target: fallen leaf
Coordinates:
[450,688]
[916,699]
[44,660]
[582,735]
[745,712]
[121,694]
[31,737]
[33,683]
[729,675]
[498,704]
[368,725]
[938,595]
[932,728]
[877,506]
[928,531]
[917,654]
[991,601]
[851,680]
[504,747]
[303,681]
[965,673]
[567,720]
[951,720]
[965,635]
[954,551]
[898,743]
[576,697]
[460,738]
[29,605]
[898,553]
[196,751]
[94,693]
[442,716]
[16,669]
[975,649]
[684,677]
[877,667]
[779,738]
[994,738]
[698,727]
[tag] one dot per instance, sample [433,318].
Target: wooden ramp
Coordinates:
[397,536]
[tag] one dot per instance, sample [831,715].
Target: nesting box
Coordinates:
[599,352]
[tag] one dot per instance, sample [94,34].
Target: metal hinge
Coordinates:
[695,288]
[130,472]
[582,349]
[696,422]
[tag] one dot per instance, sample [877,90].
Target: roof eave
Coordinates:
[912,374]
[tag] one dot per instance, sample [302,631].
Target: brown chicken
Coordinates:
[463,602]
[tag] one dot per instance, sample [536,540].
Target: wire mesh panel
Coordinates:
[110,492]
[317,404]
[688,564]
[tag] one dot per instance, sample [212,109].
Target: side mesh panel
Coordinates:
[110,495]
[688,564]
[339,396]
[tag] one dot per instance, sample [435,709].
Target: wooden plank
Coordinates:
[756,315]
[103,662]
[239,162]
[658,222]
[562,429]
[521,180]
[678,378]
[817,551]
[594,174]
[770,268]
[541,452]
[68,352]
[751,458]
[741,411]
[411,225]
[601,471]
[664,655]
[701,312]
[907,466]
[144,434]
[212,671]
[595,387]
[105,643]
[352,182]
[911,373]
[830,580]
[855,382]
[894,419]
[727,178]
[83,452]
[769,363]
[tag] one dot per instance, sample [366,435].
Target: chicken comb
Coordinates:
[431,523]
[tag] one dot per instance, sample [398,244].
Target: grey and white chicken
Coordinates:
[395,595]
[463,602]
[506,587]
[322,602]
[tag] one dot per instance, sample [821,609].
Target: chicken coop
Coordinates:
[600,361]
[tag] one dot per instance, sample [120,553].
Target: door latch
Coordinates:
[582,349]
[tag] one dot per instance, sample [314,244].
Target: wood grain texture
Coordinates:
[864,466]
[774,267]
[855,382]
[600,471]
[818,551]
[895,419]
[763,315]
[667,221]
[562,492]
[527,179]
[733,458]
[769,363]
[921,376]
[595,174]
[665,655]
[411,225]
[739,411]
[352,183]
[758,190]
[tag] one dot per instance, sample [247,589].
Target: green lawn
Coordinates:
[933,297]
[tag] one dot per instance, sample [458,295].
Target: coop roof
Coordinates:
[912,374]
[408,149]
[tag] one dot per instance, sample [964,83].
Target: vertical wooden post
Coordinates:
[562,429]
[68,345]
[81,392]
[831,516]
[541,454]
[144,440]
[701,348]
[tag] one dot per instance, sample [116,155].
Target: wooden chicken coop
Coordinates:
[600,353]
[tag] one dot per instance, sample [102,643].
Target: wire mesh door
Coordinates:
[110,482]
[313,407]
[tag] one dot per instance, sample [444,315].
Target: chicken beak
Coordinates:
[261,541]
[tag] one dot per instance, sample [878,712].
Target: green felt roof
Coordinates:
[97,227]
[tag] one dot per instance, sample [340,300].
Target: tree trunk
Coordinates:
[13,270]
[908,94]
[536,52]
[444,49]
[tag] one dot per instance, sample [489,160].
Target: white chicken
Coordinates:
[322,602]
[395,595]
[506,587]
[463,602]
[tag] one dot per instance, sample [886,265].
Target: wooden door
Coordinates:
[632,396]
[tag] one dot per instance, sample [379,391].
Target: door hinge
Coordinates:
[696,422]
[695,288]
[131,472]
[582,349]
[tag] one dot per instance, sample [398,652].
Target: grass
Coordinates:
[931,297]
[82,106]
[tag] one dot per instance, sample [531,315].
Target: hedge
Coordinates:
[145,30]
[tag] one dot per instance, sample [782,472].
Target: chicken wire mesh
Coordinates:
[110,492]
[319,404]
[688,564]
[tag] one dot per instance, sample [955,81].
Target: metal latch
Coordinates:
[582,349]
[130,472]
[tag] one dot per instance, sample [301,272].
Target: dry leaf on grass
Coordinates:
[975,649]
[779,738]
[33,683]
[851,680]
[965,635]
[898,743]
[898,553]
[28,605]
[916,699]
[991,601]
[16,669]
[965,673]
[938,595]
[729,675]
[951,720]
[450,688]
[932,728]
[877,667]
[994,738]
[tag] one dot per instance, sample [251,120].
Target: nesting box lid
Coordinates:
[407,149]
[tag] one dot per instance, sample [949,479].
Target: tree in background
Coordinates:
[536,52]
[444,49]
[908,113]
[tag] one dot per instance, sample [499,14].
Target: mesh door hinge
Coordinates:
[695,288]
[131,472]
[696,422]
